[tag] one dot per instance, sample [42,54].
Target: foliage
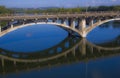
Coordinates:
[4,10]
[3,23]
[74,10]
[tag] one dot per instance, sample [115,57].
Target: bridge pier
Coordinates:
[24,21]
[2,62]
[73,51]
[64,22]
[57,19]
[91,22]
[84,34]
[46,20]
[36,21]
[72,23]
[83,47]
[83,27]
[12,23]
[14,63]
[99,20]
[11,26]
[91,49]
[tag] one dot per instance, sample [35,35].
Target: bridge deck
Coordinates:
[88,14]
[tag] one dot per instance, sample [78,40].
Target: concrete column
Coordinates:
[14,63]
[57,20]
[72,23]
[64,22]
[99,20]
[11,26]
[83,26]
[2,62]
[12,23]
[73,51]
[24,21]
[91,22]
[36,21]
[46,20]
[91,49]
[79,48]
[83,46]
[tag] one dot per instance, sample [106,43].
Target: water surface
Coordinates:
[65,56]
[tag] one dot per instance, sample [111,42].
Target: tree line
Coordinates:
[73,10]
[4,10]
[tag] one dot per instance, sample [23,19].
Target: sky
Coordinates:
[56,3]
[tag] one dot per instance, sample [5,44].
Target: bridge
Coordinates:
[81,23]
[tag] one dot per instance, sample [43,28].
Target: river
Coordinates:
[47,51]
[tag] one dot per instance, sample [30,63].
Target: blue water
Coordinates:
[105,34]
[40,37]
[33,38]
[101,68]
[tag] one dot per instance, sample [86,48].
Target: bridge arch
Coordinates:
[30,24]
[90,28]
[102,48]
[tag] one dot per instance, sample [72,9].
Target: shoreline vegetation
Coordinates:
[5,11]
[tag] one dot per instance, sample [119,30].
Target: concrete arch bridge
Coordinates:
[81,23]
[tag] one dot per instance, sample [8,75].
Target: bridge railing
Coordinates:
[60,13]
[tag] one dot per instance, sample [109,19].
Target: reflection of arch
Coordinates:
[100,47]
[81,43]
[8,52]
[39,60]
[30,24]
[72,50]
[90,28]
[64,45]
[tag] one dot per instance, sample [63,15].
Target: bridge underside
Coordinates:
[82,25]
[65,27]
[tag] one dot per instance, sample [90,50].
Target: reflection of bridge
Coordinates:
[81,23]
[51,53]
[80,50]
